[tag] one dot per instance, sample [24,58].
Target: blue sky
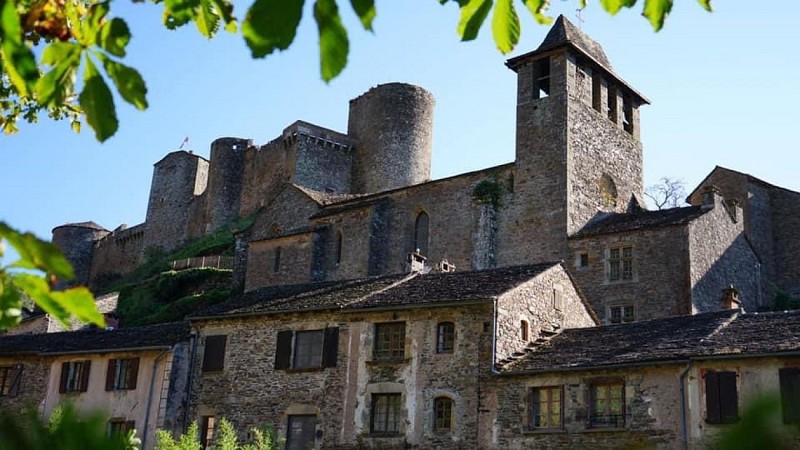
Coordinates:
[724,88]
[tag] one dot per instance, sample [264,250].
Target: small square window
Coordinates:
[621,314]
[390,340]
[583,260]
[120,427]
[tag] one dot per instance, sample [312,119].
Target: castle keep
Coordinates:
[377,308]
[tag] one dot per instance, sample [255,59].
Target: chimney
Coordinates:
[730,298]
[710,196]
[416,261]
[445,266]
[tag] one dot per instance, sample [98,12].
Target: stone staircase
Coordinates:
[544,336]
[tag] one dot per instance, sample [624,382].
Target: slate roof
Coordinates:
[95,340]
[325,198]
[750,178]
[701,336]
[641,220]
[392,291]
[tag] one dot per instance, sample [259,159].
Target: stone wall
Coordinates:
[33,384]
[660,283]
[549,303]
[720,256]
[118,253]
[250,392]
[323,159]
[225,181]
[282,260]
[76,242]
[786,229]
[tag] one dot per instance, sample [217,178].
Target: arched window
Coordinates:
[608,191]
[524,330]
[445,337]
[442,414]
[421,233]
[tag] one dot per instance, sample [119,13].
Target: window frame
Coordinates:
[721,396]
[534,407]
[422,227]
[620,264]
[120,426]
[390,341]
[300,418]
[122,374]
[445,337]
[308,349]
[443,414]
[208,425]
[605,418]
[623,316]
[542,78]
[388,421]
[286,347]
[75,376]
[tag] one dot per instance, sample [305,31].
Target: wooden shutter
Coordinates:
[85,375]
[110,372]
[712,398]
[214,355]
[283,350]
[728,397]
[790,394]
[16,380]
[330,347]
[62,387]
[133,374]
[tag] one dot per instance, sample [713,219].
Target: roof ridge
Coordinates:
[722,326]
[409,277]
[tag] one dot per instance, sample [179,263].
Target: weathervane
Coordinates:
[580,19]
[185,141]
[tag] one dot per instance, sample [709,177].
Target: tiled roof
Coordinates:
[95,340]
[641,220]
[564,32]
[672,339]
[395,291]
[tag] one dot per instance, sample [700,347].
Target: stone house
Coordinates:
[390,361]
[667,383]
[136,376]
[37,321]
[330,206]
[771,223]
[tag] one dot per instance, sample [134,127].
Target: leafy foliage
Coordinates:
[66,430]
[82,33]
[224,439]
[44,257]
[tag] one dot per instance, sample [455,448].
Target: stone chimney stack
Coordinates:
[730,298]
[711,196]
[416,262]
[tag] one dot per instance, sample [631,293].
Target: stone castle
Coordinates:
[334,206]
[377,309]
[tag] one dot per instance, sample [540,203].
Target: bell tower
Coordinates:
[578,153]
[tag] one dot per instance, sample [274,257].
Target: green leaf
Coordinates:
[706,4]
[206,19]
[18,60]
[537,9]
[333,43]
[473,14]
[179,12]
[505,26]
[78,302]
[10,303]
[36,254]
[365,9]
[128,81]
[657,11]
[97,103]
[613,6]
[114,37]
[56,85]
[271,25]
[224,10]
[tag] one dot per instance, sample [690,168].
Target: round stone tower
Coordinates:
[393,127]
[225,180]
[76,241]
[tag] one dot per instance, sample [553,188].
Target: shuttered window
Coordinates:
[122,374]
[722,399]
[307,349]
[10,379]
[214,354]
[74,376]
[790,394]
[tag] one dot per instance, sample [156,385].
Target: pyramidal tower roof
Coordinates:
[564,34]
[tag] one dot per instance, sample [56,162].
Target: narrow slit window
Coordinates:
[611,103]
[627,113]
[276,267]
[597,88]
